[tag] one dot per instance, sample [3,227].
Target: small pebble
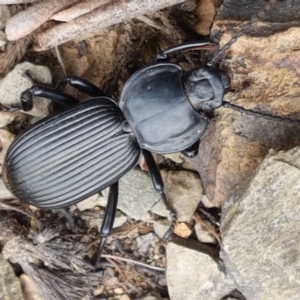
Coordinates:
[98,291]
[118,291]
[125,297]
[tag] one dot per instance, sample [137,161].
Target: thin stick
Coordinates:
[78,9]
[133,262]
[30,19]
[112,13]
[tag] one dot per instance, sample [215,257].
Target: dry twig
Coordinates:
[102,17]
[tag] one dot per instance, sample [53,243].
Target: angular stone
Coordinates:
[10,288]
[260,229]
[193,275]
[15,83]
[183,190]
[136,194]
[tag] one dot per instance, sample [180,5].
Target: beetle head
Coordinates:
[205,89]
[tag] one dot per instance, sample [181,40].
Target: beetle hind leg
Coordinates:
[108,220]
[81,85]
[159,186]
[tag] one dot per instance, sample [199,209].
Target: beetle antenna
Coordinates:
[262,13]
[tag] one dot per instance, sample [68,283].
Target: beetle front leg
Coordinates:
[159,186]
[191,151]
[46,92]
[108,220]
[81,85]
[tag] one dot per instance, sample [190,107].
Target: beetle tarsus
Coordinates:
[159,186]
[108,220]
[69,219]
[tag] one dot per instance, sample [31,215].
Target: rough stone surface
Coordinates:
[260,229]
[136,194]
[144,242]
[193,275]
[266,79]
[3,39]
[4,15]
[4,192]
[14,84]
[28,288]
[183,190]
[203,235]
[10,288]
[160,228]
[6,138]
[95,221]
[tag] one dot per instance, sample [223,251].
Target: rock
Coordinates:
[98,291]
[3,39]
[4,192]
[4,15]
[260,230]
[28,288]
[118,291]
[8,117]
[6,138]
[183,190]
[10,288]
[183,230]
[193,275]
[125,297]
[160,229]
[94,220]
[151,296]
[144,243]
[235,143]
[181,160]
[91,202]
[14,84]
[136,194]
[203,235]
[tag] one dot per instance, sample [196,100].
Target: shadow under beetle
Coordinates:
[88,146]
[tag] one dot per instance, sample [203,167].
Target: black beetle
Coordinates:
[88,146]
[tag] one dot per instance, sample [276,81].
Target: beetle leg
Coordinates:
[69,219]
[46,92]
[108,220]
[159,186]
[80,84]
[191,151]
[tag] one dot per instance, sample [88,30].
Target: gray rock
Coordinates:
[193,275]
[136,194]
[10,288]
[160,229]
[4,192]
[4,15]
[203,235]
[14,84]
[144,242]
[260,228]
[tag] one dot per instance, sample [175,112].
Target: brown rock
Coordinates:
[266,80]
